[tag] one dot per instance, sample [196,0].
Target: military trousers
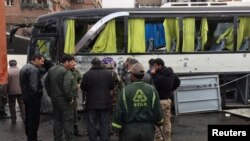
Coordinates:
[137,131]
[63,120]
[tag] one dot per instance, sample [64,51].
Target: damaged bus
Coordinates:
[194,41]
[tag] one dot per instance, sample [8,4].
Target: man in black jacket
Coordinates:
[97,83]
[31,87]
[164,80]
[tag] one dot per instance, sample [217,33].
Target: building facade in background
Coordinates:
[118,3]
[26,11]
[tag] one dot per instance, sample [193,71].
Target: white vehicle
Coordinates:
[192,40]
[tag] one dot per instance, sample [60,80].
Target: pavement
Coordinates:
[185,127]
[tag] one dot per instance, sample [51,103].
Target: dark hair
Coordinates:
[151,61]
[37,56]
[159,61]
[67,57]
[96,62]
[12,63]
[132,61]
[138,75]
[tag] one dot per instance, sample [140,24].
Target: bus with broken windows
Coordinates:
[198,40]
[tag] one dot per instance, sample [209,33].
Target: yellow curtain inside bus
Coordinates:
[69,46]
[243,31]
[136,36]
[228,37]
[188,34]
[204,32]
[43,46]
[106,41]
[171,29]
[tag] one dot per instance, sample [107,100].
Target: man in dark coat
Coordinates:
[31,87]
[164,80]
[97,83]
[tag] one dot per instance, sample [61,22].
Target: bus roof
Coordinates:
[169,10]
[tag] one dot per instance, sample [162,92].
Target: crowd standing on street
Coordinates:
[31,87]
[138,102]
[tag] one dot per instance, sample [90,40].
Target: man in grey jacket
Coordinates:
[14,91]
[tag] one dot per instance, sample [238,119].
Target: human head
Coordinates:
[12,63]
[68,61]
[130,63]
[158,64]
[109,62]
[38,60]
[151,62]
[125,64]
[137,71]
[96,62]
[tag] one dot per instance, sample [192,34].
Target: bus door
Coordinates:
[45,46]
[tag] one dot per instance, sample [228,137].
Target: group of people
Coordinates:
[131,116]
[133,102]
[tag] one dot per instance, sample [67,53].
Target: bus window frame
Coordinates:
[53,41]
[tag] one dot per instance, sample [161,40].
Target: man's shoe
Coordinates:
[78,134]
[4,116]
[13,122]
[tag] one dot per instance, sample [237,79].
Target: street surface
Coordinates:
[185,127]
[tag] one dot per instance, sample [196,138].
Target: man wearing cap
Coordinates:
[14,91]
[138,109]
[97,84]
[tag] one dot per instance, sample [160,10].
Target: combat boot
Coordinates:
[3,115]
[76,131]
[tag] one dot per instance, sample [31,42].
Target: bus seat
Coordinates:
[150,45]
[173,45]
[218,47]
[221,28]
[198,43]
[245,44]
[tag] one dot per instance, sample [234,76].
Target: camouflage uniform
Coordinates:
[118,85]
[3,100]
[75,87]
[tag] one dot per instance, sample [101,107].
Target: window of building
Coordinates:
[26,1]
[42,1]
[9,2]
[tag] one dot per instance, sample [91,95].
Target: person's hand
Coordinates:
[116,130]
[71,102]
[153,71]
